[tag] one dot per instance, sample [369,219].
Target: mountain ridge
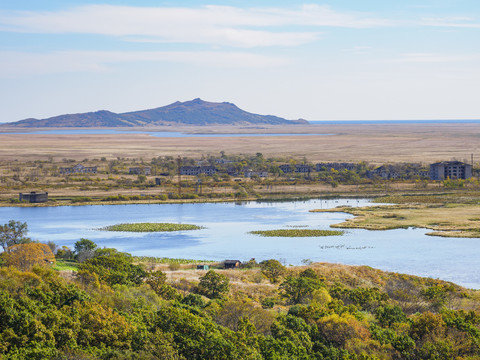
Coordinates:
[193,112]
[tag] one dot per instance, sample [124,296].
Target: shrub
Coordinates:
[213,285]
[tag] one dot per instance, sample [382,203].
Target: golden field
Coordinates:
[373,143]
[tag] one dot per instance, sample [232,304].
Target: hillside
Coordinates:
[194,112]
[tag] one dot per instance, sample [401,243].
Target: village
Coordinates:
[186,178]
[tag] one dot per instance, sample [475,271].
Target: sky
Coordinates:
[316,60]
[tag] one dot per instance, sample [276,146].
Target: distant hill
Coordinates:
[194,112]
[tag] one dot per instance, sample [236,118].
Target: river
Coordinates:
[226,236]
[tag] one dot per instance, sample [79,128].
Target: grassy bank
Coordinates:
[150,227]
[447,214]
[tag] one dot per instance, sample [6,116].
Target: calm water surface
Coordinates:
[226,236]
[163,134]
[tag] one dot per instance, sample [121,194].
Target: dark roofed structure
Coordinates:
[231,264]
[34,197]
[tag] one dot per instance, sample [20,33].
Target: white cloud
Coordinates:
[454,22]
[14,64]
[433,58]
[216,25]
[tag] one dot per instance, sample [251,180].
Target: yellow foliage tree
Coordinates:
[25,256]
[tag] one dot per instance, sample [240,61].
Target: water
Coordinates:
[226,236]
[163,134]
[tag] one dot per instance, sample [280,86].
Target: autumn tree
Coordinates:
[25,256]
[299,289]
[213,285]
[12,233]
[272,269]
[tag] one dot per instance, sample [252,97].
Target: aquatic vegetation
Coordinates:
[150,227]
[297,233]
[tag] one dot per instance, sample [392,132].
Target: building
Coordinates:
[299,168]
[142,170]
[223,161]
[386,172]
[231,264]
[450,170]
[303,168]
[286,168]
[335,166]
[203,267]
[78,169]
[250,173]
[197,170]
[34,197]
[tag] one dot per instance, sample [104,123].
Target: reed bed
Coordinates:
[150,227]
[297,233]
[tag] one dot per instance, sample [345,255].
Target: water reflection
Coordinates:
[226,235]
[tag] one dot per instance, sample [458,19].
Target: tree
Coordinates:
[13,233]
[213,285]
[272,269]
[84,249]
[299,289]
[25,256]
[114,267]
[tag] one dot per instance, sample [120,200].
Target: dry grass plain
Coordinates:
[374,143]
[453,220]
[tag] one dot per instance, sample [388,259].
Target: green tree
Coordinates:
[213,285]
[299,289]
[114,268]
[12,233]
[273,270]
[84,249]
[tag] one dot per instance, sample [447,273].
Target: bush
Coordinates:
[273,270]
[213,285]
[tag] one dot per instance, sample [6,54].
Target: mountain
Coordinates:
[194,112]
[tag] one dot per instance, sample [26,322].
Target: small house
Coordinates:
[79,169]
[34,197]
[231,264]
[143,170]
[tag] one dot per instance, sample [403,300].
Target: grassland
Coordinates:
[379,143]
[65,265]
[448,215]
[150,227]
[296,233]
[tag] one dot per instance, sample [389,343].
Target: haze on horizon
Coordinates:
[318,60]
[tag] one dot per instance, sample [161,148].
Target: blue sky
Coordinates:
[318,60]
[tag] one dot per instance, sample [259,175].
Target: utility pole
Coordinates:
[179,163]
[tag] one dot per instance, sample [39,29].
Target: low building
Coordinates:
[34,197]
[286,168]
[335,166]
[386,172]
[203,267]
[303,168]
[141,170]
[299,168]
[450,170]
[250,173]
[197,170]
[223,161]
[78,169]
[231,264]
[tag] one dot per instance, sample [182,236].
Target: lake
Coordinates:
[163,134]
[226,236]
